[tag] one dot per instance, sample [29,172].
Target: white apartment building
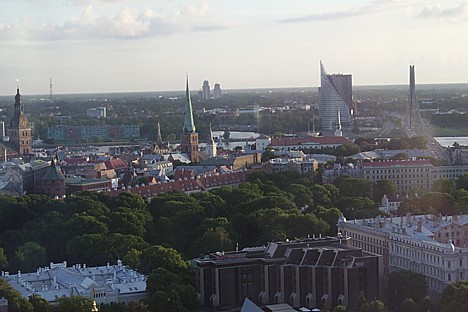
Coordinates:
[409,175]
[103,284]
[434,246]
[98,112]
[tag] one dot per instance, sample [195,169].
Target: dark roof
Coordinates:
[53,172]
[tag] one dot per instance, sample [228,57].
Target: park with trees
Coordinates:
[158,238]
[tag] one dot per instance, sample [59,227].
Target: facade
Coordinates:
[98,112]
[53,181]
[434,246]
[336,95]
[19,131]
[217,91]
[61,132]
[103,284]
[300,165]
[3,305]
[307,273]
[409,175]
[206,94]
[189,136]
[290,144]
[78,184]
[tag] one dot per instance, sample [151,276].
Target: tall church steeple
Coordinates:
[189,125]
[189,136]
[20,129]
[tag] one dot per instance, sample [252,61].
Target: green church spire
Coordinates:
[189,125]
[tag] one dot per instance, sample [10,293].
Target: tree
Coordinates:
[39,304]
[167,291]
[408,305]
[377,306]
[29,256]
[426,304]
[454,297]
[73,304]
[3,260]
[161,257]
[405,284]
[383,187]
[362,304]
[339,308]
[353,187]
[16,302]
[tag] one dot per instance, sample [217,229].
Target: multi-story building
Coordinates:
[3,305]
[217,91]
[61,132]
[301,165]
[98,112]
[434,246]
[206,90]
[336,95]
[305,273]
[409,175]
[103,284]
[290,144]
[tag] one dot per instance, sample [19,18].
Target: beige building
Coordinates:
[422,244]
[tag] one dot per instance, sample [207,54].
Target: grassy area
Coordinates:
[438,131]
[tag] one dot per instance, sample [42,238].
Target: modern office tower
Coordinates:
[336,94]
[189,136]
[206,90]
[217,91]
[20,132]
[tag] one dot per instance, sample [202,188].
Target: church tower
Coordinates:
[211,149]
[189,136]
[20,129]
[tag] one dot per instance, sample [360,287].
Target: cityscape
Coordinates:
[221,178]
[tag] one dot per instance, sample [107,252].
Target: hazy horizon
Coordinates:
[108,46]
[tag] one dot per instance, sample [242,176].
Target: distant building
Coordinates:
[302,273]
[211,148]
[78,184]
[289,144]
[53,181]
[300,165]
[434,246]
[217,91]
[103,284]
[61,132]
[336,95]
[3,305]
[189,136]
[390,204]
[98,112]
[19,131]
[262,142]
[206,94]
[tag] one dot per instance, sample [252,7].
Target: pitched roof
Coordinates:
[309,140]
[53,172]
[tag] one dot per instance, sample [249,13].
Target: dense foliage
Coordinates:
[158,237]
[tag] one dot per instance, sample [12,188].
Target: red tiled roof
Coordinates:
[186,185]
[116,164]
[316,140]
[397,163]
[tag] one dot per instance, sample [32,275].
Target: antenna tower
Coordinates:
[51,93]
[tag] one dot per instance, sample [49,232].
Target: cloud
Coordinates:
[128,23]
[375,7]
[454,14]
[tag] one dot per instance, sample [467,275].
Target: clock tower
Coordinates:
[20,129]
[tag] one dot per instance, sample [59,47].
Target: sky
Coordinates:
[89,46]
